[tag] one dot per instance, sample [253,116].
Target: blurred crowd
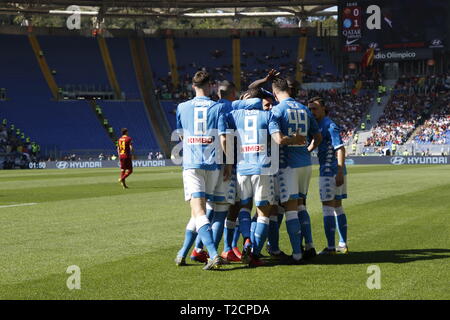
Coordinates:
[436,130]
[346,109]
[16,149]
[423,84]
[418,101]
[400,117]
[155,156]
[254,65]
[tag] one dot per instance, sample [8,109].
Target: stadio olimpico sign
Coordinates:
[397,161]
[396,55]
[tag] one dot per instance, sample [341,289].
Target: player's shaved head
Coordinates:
[253,93]
[124,131]
[201,79]
[227,89]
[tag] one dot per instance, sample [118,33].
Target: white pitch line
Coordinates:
[18,205]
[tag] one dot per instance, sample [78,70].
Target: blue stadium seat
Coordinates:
[76,60]
[157,54]
[119,50]
[169,109]
[131,115]
[66,125]
[260,47]
[319,57]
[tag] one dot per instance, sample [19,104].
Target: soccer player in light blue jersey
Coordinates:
[277,212]
[226,210]
[252,127]
[253,98]
[295,167]
[197,121]
[332,180]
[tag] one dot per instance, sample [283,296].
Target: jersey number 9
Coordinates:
[251,131]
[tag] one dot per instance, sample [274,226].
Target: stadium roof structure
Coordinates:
[172,8]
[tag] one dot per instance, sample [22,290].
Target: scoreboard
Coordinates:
[393,24]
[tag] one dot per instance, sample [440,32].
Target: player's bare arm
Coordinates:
[295,139]
[258,83]
[227,167]
[317,139]
[340,154]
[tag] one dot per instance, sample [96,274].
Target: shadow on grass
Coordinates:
[363,257]
[383,256]
[268,263]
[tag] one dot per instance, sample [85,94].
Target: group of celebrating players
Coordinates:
[266,139]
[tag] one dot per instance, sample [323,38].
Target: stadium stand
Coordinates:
[119,50]
[436,130]
[411,105]
[346,109]
[410,114]
[399,120]
[318,65]
[131,115]
[65,125]
[217,61]
[82,71]
[170,108]
[157,53]
[259,55]
[16,149]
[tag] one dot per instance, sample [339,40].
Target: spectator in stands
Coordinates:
[436,129]
[410,105]
[15,146]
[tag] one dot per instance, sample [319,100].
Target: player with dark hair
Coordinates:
[295,167]
[272,75]
[225,210]
[332,180]
[124,149]
[197,121]
[253,126]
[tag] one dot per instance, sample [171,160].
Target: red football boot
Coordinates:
[230,256]
[237,253]
[201,256]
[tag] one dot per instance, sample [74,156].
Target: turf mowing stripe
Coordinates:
[18,205]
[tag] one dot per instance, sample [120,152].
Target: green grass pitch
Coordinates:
[124,241]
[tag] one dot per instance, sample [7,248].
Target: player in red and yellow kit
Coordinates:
[124,148]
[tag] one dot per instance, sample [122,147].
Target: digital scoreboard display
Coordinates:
[392,24]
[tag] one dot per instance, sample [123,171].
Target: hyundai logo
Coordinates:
[436,42]
[62,165]
[398,160]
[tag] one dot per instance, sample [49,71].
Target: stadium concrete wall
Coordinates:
[398,160]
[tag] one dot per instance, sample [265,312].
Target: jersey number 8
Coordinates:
[200,121]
